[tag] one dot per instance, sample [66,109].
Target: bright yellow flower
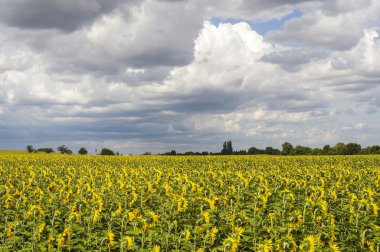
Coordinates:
[119,209]
[308,244]
[152,219]
[156,249]
[110,239]
[51,240]
[334,247]
[206,217]
[10,228]
[187,234]
[266,246]
[63,238]
[230,244]
[375,208]
[213,234]
[182,204]
[40,230]
[35,211]
[296,219]
[130,242]
[96,216]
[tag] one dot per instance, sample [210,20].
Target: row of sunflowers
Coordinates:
[203,203]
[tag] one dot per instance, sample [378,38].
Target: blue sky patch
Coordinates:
[261,27]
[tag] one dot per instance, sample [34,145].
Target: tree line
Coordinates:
[63,149]
[289,149]
[338,149]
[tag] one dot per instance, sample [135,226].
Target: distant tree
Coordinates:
[255,151]
[227,148]
[338,149]
[240,152]
[205,153]
[365,151]
[317,151]
[171,153]
[302,150]
[83,151]
[29,148]
[63,149]
[46,150]
[106,151]
[287,148]
[326,149]
[375,149]
[351,149]
[272,151]
[147,153]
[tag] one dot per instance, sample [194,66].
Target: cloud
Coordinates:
[292,59]
[335,25]
[67,15]
[156,75]
[114,43]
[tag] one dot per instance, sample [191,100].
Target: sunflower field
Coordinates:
[202,203]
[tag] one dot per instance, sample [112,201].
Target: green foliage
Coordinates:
[255,151]
[272,151]
[63,149]
[46,150]
[352,149]
[338,149]
[29,148]
[375,149]
[287,148]
[227,148]
[302,150]
[326,149]
[106,151]
[83,151]
[171,153]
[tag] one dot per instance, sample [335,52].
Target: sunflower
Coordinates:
[266,246]
[110,239]
[230,244]
[130,242]
[308,244]
[334,247]
[63,238]
[213,233]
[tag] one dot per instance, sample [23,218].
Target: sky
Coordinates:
[158,75]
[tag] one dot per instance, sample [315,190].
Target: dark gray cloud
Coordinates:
[302,32]
[148,39]
[265,5]
[334,7]
[65,15]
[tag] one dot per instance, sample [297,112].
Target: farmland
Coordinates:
[212,203]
